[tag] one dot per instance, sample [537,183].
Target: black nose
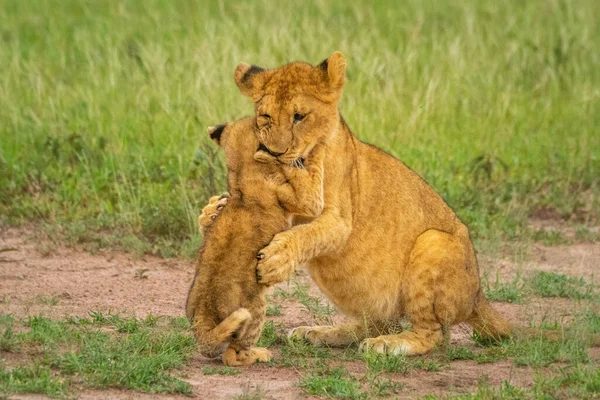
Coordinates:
[265,148]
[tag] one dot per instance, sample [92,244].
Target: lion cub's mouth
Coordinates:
[267,150]
[297,163]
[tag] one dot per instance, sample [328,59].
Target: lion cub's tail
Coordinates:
[487,322]
[211,341]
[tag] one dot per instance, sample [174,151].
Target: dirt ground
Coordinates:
[110,281]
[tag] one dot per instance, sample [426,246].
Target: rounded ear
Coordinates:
[335,67]
[248,78]
[215,133]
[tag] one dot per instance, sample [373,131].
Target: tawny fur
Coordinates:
[225,303]
[386,245]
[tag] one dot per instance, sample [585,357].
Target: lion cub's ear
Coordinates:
[335,67]
[215,133]
[249,78]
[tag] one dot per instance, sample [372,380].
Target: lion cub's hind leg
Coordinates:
[440,287]
[234,358]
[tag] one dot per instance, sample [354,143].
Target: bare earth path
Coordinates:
[73,282]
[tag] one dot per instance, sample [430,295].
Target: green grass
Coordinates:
[549,237]
[320,311]
[552,284]
[508,292]
[104,105]
[273,311]
[34,378]
[251,394]
[505,391]
[332,382]
[81,351]
[572,382]
[400,364]
[271,334]
[220,371]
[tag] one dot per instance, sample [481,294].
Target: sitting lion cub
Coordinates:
[226,303]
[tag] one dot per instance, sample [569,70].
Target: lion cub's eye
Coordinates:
[298,117]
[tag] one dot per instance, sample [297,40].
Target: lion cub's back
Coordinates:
[394,225]
[227,263]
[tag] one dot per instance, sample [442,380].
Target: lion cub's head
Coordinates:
[237,140]
[295,105]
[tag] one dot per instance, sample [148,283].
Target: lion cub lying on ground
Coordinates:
[226,303]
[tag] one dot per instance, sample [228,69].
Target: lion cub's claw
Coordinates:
[210,212]
[276,263]
[299,332]
[385,345]
[306,333]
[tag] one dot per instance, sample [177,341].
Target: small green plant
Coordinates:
[320,312]
[8,340]
[383,387]
[399,364]
[576,381]
[141,273]
[295,352]
[6,319]
[511,292]
[133,356]
[257,393]
[538,351]
[220,371]
[33,378]
[585,234]
[273,311]
[459,353]
[331,382]
[270,335]
[505,391]
[491,355]
[551,284]
[48,300]
[549,237]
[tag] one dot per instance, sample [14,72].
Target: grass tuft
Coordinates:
[551,284]
[135,356]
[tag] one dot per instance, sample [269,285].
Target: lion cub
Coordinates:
[225,303]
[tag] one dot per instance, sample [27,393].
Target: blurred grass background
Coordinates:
[104,106]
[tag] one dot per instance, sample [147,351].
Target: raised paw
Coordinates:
[210,212]
[276,262]
[265,158]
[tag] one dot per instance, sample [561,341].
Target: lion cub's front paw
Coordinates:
[263,157]
[305,333]
[210,212]
[246,356]
[276,262]
[387,344]
[261,354]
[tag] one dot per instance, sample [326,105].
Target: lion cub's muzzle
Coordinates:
[262,147]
